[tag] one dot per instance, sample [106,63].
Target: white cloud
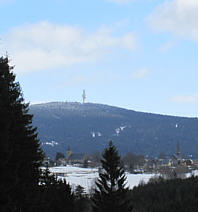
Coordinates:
[43,45]
[177,16]
[139,74]
[185,99]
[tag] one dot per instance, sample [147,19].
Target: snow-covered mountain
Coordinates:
[89,127]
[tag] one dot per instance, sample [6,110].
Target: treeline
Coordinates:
[159,195]
[130,161]
[25,187]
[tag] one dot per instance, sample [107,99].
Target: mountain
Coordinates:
[89,127]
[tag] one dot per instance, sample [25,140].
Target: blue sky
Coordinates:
[136,54]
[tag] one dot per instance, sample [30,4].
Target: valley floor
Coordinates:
[87,176]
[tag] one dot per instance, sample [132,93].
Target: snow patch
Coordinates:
[119,130]
[122,128]
[50,143]
[95,134]
[86,177]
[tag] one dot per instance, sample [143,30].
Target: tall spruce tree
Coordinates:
[111,194]
[55,195]
[20,153]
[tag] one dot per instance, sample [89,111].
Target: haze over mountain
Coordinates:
[89,127]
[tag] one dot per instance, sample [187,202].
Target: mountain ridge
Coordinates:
[88,127]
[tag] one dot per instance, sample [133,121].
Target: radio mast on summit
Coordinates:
[84,97]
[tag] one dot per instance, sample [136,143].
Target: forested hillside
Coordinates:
[88,127]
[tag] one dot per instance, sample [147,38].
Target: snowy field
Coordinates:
[87,176]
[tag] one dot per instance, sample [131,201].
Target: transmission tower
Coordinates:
[84,97]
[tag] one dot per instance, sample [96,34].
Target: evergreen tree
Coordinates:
[79,192]
[20,153]
[55,195]
[110,193]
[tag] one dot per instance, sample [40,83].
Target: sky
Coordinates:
[135,54]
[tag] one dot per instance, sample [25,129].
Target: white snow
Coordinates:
[194,172]
[50,143]
[87,176]
[135,179]
[119,130]
[122,128]
[94,134]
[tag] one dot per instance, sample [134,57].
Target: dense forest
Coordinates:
[25,187]
[87,128]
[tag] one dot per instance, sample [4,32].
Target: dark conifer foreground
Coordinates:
[20,153]
[159,195]
[23,186]
[54,195]
[111,194]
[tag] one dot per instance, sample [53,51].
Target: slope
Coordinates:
[89,127]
